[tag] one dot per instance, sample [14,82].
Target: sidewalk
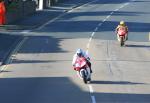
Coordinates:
[40,17]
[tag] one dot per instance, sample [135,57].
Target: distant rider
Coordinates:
[80,53]
[122,26]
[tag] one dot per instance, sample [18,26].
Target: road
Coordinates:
[41,70]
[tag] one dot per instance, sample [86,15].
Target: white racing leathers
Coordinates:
[85,54]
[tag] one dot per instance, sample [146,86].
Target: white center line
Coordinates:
[96,29]
[126,4]
[121,6]
[108,16]
[91,92]
[104,20]
[25,31]
[91,88]
[93,99]
[99,24]
[88,45]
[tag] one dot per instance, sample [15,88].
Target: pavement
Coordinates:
[10,35]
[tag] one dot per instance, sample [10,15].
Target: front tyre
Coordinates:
[84,77]
[121,41]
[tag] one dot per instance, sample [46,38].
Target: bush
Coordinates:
[12,6]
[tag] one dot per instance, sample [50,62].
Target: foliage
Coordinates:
[13,6]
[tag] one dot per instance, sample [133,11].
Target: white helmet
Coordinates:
[79,52]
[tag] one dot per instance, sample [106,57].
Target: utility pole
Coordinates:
[41,4]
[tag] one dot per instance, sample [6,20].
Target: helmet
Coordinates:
[79,52]
[122,23]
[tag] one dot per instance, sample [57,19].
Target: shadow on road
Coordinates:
[111,1]
[7,44]
[138,46]
[39,89]
[115,82]
[119,1]
[17,61]
[42,44]
[75,26]
[60,89]
[102,13]
[122,97]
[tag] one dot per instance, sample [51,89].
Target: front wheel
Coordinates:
[121,41]
[84,77]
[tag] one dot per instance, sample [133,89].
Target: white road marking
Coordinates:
[111,13]
[16,49]
[90,39]
[116,9]
[25,31]
[104,20]
[126,4]
[108,16]
[121,6]
[92,34]
[100,24]
[91,88]
[88,46]
[4,67]
[91,92]
[14,52]
[96,29]
[93,99]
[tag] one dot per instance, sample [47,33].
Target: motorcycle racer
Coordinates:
[80,53]
[122,27]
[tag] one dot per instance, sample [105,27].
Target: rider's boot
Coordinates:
[91,70]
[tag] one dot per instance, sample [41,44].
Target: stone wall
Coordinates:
[23,9]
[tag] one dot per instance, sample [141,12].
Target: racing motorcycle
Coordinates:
[121,35]
[83,69]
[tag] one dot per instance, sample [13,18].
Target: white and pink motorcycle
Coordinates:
[122,37]
[83,69]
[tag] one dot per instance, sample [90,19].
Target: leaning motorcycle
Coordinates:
[121,35]
[83,69]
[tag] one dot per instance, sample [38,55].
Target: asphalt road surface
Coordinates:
[41,70]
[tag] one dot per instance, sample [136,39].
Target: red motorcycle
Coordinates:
[83,69]
[121,35]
